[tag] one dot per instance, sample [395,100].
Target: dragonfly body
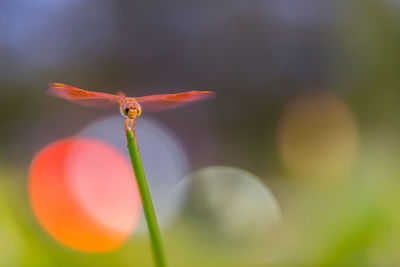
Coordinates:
[130,107]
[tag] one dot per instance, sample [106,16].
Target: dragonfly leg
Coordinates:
[126,124]
[133,128]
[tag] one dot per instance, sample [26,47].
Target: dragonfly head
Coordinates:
[131,109]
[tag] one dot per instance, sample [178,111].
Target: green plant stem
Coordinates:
[147,203]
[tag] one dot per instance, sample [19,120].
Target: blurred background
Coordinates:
[294,163]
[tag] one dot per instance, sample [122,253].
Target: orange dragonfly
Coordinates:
[130,107]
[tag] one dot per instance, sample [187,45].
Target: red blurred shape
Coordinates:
[83,193]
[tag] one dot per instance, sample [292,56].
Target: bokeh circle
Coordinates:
[164,161]
[237,202]
[83,193]
[318,136]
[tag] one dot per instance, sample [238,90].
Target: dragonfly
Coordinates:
[130,107]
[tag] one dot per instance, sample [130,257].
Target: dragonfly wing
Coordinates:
[169,101]
[82,97]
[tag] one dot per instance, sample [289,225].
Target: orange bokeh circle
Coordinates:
[83,193]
